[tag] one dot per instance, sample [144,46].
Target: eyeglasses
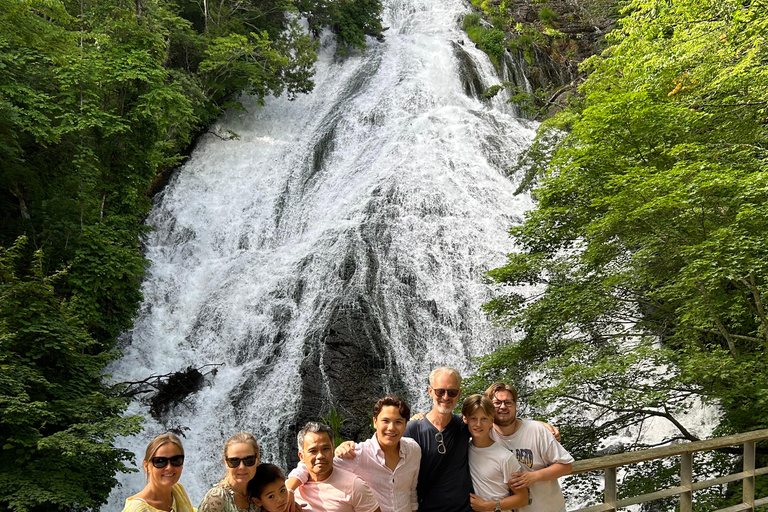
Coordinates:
[234,462]
[505,403]
[161,462]
[441,446]
[453,393]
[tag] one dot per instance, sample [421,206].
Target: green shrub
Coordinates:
[471,20]
[493,43]
[547,16]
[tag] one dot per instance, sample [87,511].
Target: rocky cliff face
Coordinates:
[551,38]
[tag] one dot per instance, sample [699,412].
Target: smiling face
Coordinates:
[480,424]
[389,425]
[506,408]
[274,497]
[169,474]
[317,455]
[447,382]
[242,474]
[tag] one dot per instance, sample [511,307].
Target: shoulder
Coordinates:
[183,503]
[215,500]
[217,491]
[409,445]
[136,505]
[533,427]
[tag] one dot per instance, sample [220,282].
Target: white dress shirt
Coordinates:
[394,490]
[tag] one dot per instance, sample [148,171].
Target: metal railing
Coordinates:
[687,486]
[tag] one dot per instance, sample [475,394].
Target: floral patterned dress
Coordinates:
[221,498]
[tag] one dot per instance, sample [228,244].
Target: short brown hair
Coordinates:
[477,401]
[393,401]
[500,386]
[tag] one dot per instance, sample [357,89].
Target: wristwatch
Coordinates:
[498,506]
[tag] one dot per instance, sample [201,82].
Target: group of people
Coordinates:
[484,459]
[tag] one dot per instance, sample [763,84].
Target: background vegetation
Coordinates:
[648,243]
[97,100]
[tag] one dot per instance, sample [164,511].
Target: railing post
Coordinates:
[749,480]
[610,487]
[686,482]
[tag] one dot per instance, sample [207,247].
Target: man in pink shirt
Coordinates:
[388,462]
[329,489]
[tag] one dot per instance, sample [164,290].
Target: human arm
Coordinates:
[346,450]
[518,499]
[522,479]
[416,464]
[296,478]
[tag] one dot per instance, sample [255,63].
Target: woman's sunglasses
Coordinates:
[161,462]
[234,462]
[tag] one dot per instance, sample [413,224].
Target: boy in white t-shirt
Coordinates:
[490,464]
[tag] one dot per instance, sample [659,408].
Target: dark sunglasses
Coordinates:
[161,462]
[452,393]
[234,462]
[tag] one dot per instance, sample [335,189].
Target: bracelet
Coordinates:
[292,491]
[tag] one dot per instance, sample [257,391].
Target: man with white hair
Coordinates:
[444,480]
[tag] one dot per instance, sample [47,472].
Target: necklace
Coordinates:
[231,488]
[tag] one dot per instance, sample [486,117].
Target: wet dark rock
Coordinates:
[350,361]
[470,78]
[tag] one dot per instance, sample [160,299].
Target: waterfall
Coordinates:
[335,251]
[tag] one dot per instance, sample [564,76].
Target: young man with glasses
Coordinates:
[543,459]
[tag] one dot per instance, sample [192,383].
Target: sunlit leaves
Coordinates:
[648,241]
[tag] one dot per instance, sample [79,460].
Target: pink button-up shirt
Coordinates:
[394,490]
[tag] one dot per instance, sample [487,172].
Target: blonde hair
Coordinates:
[155,445]
[242,437]
[475,402]
[500,386]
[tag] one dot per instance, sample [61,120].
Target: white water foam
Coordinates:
[388,161]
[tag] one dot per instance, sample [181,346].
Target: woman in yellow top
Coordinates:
[163,462]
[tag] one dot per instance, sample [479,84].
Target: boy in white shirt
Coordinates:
[490,464]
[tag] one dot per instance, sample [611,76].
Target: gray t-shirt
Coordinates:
[536,448]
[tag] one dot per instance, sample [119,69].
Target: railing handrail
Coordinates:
[622,459]
[609,463]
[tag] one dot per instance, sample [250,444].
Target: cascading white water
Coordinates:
[335,249]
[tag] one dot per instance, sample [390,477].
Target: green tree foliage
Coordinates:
[648,244]
[98,98]
[57,419]
[350,20]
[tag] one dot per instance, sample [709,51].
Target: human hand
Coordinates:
[522,479]
[292,506]
[554,430]
[346,450]
[418,416]
[478,504]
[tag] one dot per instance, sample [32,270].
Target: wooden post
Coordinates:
[686,482]
[610,487]
[749,480]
